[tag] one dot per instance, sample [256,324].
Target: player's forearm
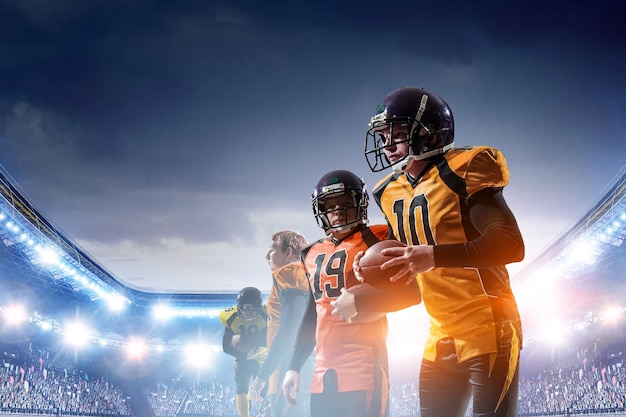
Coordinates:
[390,300]
[499,240]
[496,249]
[278,351]
[227,343]
[305,340]
[285,337]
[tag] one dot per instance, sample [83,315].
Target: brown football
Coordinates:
[370,264]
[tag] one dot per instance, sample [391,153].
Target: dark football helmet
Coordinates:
[430,127]
[249,303]
[337,183]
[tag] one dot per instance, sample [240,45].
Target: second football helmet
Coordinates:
[338,183]
[429,121]
[249,303]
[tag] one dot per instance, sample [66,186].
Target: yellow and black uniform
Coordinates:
[253,335]
[456,205]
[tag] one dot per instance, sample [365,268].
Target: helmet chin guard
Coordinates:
[348,225]
[405,163]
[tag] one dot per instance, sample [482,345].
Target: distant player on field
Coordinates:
[245,338]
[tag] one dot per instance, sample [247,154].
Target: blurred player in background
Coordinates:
[245,338]
[286,306]
[350,378]
[446,203]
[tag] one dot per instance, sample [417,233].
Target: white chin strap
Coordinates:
[403,164]
[344,227]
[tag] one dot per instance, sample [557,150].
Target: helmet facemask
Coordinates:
[376,141]
[249,313]
[249,304]
[357,207]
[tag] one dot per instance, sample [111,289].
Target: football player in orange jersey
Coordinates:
[446,203]
[350,378]
[286,305]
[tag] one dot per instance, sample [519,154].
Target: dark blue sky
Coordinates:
[171,139]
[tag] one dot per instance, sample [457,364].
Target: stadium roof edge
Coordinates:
[19,202]
[612,199]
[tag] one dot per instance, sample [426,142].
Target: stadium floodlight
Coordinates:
[47,255]
[11,226]
[76,334]
[583,250]
[14,315]
[613,314]
[162,312]
[136,348]
[116,302]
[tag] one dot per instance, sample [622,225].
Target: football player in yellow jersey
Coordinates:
[245,338]
[286,305]
[446,203]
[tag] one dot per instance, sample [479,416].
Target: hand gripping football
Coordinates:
[370,264]
[365,317]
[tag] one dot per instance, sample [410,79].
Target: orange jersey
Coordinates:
[463,303]
[351,349]
[289,278]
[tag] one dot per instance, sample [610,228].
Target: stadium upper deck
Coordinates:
[580,277]
[45,269]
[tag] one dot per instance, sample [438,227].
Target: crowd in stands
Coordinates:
[589,379]
[592,380]
[36,383]
[404,400]
[216,398]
